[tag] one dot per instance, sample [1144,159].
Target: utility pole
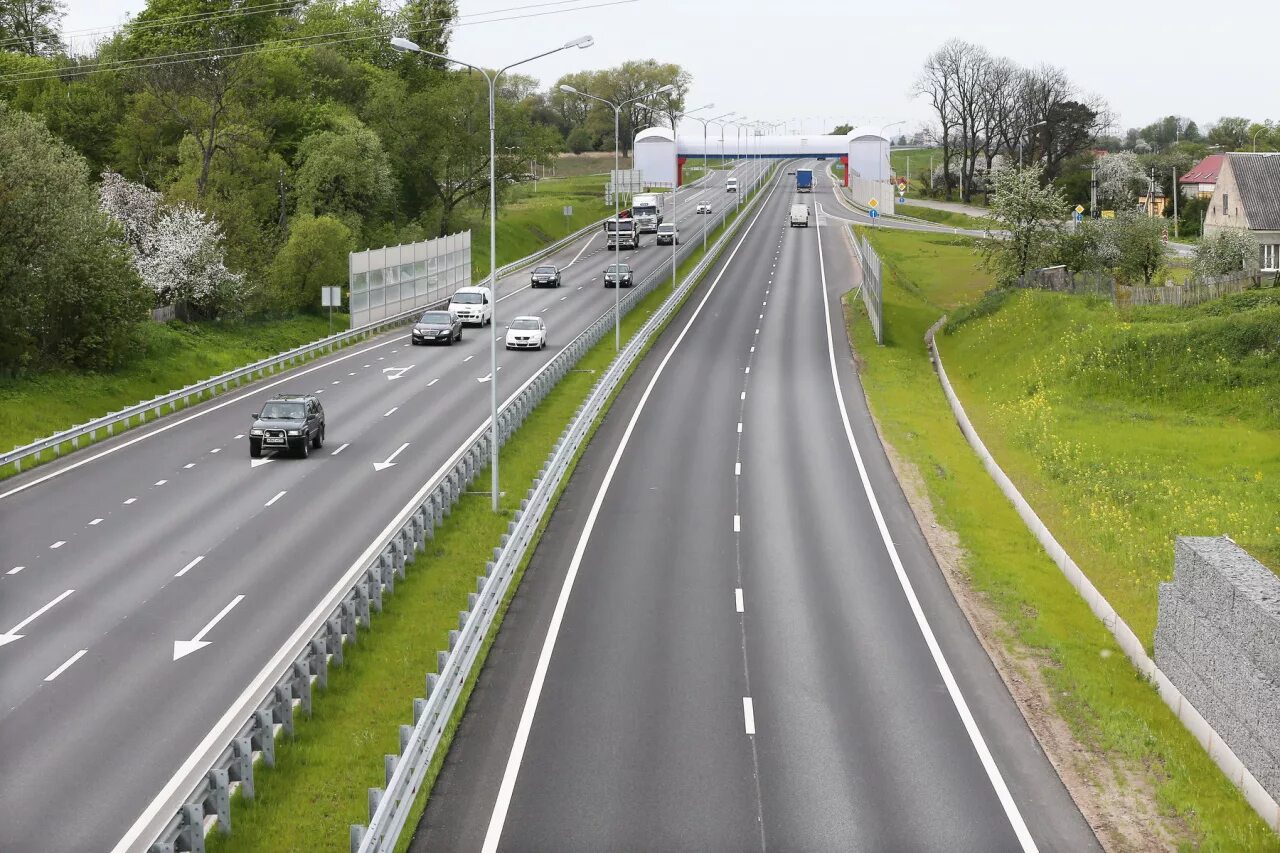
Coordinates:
[1093,190]
[1175,202]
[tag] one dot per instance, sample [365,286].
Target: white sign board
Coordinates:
[568,210]
[627,180]
[331,297]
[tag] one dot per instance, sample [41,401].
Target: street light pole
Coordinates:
[705,171]
[404,45]
[617,120]
[675,191]
[1023,135]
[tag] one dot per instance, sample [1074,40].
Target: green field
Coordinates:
[1130,736]
[944,217]
[918,159]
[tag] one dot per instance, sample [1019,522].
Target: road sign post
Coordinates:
[568,218]
[330,296]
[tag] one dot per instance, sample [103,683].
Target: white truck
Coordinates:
[731,185]
[621,233]
[799,216]
[646,212]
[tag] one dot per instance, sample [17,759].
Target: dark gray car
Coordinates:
[437,327]
[545,276]
[617,275]
[292,422]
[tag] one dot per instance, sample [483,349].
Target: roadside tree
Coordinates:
[1031,213]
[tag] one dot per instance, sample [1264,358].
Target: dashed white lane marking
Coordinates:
[278,496]
[433,381]
[318,391]
[56,545]
[563,298]
[189,566]
[129,501]
[382,358]
[757,331]
[766,302]
[15,570]
[744,396]
[737,524]
[737,469]
[391,411]
[582,285]
[468,358]
[737,599]
[366,365]
[336,382]
[351,374]
[216,450]
[749,715]
[95,522]
[748,370]
[161,482]
[761,316]
[51,676]
[739,427]
[189,465]
[753,349]
[340,449]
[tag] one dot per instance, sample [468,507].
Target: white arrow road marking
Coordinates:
[395,372]
[12,634]
[391,460]
[51,676]
[488,376]
[182,648]
[254,463]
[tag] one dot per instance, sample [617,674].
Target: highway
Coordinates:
[146,581]
[733,635]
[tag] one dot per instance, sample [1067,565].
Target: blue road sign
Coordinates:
[1078,217]
[873,213]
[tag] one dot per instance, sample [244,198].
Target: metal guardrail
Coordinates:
[137,414]
[206,801]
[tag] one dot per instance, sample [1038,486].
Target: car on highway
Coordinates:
[437,327]
[703,208]
[527,333]
[617,275]
[473,305]
[545,276]
[668,233]
[291,422]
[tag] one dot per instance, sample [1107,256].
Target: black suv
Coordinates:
[544,276]
[292,422]
[617,275]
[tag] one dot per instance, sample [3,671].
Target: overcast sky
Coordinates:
[828,61]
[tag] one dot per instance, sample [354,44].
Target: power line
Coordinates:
[315,40]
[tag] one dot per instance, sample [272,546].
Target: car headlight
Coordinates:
[255,432]
[295,432]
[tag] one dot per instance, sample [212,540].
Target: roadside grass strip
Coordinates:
[318,787]
[1111,710]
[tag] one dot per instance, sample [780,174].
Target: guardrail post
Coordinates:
[220,795]
[419,706]
[389,763]
[362,603]
[433,680]
[350,618]
[375,797]
[193,826]
[333,637]
[284,701]
[406,734]
[387,575]
[320,662]
[161,847]
[242,765]
[302,684]
[264,737]
[373,583]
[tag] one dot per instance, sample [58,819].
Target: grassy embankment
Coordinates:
[1042,368]
[180,354]
[587,163]
[943,217]
[318,787]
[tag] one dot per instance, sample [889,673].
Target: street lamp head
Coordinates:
[583,42]
[564,87]
[670,87]
[404,45]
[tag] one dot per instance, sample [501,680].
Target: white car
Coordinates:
[703,208]
[527,333]
[473,305]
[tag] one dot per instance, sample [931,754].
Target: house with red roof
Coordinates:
[1202,179]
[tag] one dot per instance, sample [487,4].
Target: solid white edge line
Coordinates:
[953,687]
[278,496]
[749,715]
[189,566]
[67,665]
[43,610]
[498,818]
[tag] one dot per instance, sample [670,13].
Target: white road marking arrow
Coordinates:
[487,377]
[395,372]
[12,634]
[379,466]
[254,463]
[182,648]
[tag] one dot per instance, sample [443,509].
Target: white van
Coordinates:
[799,216]
[473,305]
[731,185]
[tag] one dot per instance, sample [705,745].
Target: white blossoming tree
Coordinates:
[177,249]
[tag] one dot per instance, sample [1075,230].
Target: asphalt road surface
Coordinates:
[168,533]
[733,635]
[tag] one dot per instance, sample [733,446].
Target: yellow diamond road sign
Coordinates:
[873,203]
[1079,208]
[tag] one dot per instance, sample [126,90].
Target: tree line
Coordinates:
[226,157]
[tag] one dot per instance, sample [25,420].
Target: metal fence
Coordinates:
[872,285]
[1061,280]
[394,279]
[204,799]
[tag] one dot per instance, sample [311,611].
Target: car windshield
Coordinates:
[435,317]
[524,323]
[666,229]
[284,411]
[468,298]
[546,270]
[619,268]
[645,208]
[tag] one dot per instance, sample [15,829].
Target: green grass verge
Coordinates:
[174,355]
[943,217]
[1109,707]
[913,164]
[318,788]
